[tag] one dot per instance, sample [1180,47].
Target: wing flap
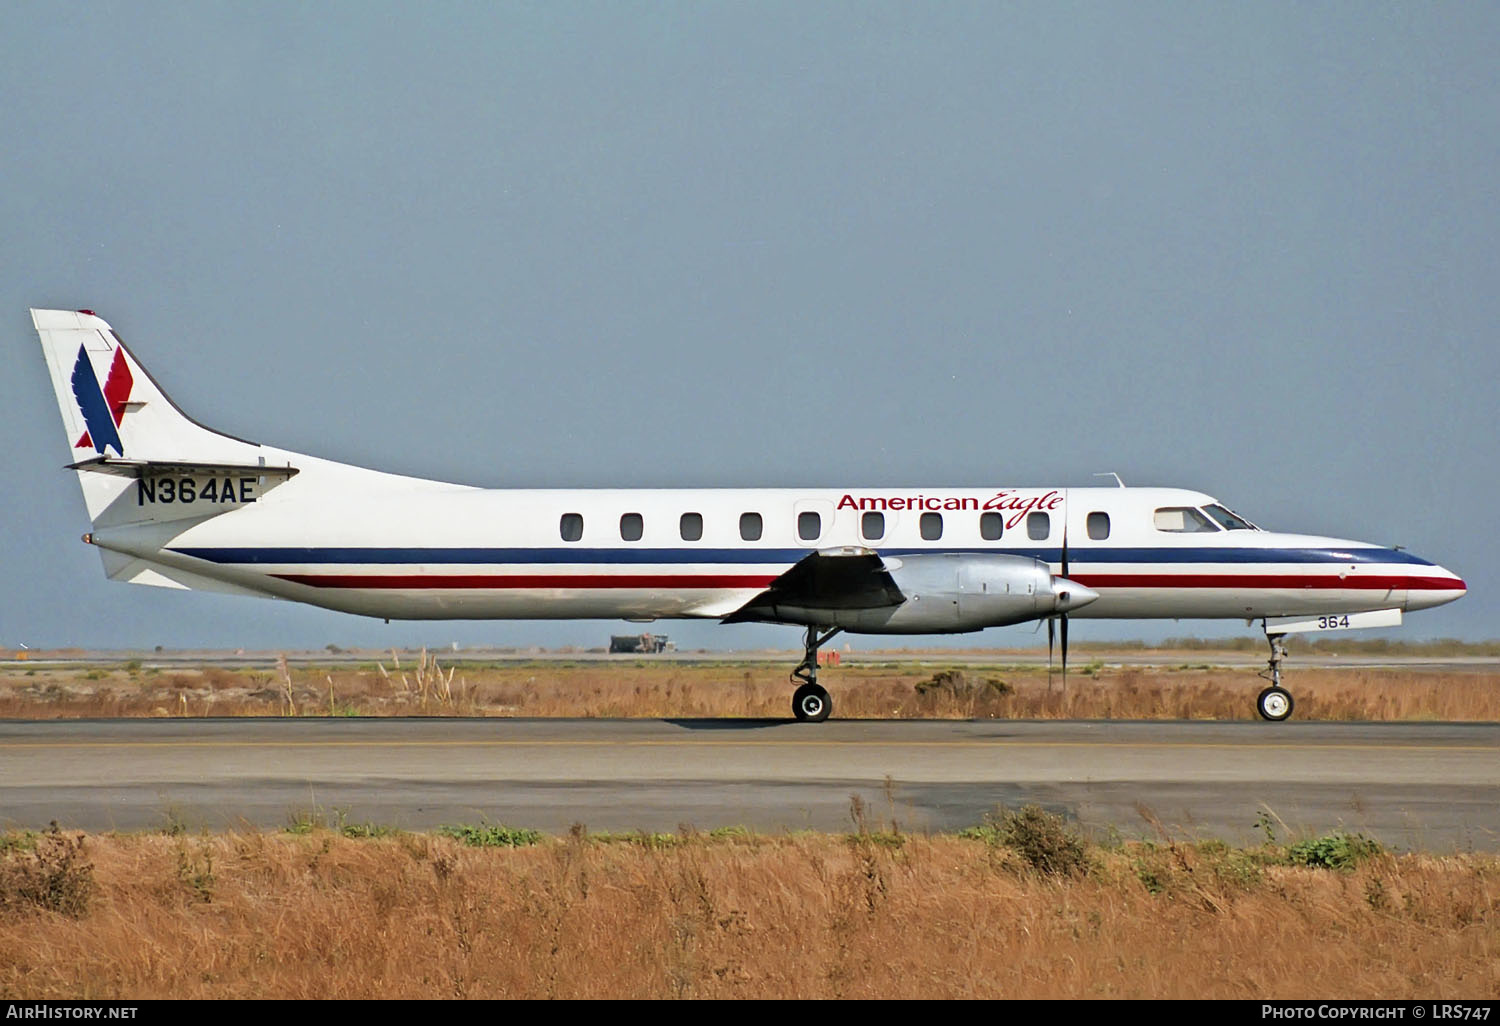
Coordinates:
[846,578]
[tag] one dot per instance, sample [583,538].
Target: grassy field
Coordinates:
[415,686]
[1016,909]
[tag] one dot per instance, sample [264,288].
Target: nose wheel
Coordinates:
[1275,702]
[810,702]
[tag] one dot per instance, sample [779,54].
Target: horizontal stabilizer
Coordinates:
[157,468]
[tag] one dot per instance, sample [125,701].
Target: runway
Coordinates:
[1426,786]
[1036,658]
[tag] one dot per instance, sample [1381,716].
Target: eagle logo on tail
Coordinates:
[102,410]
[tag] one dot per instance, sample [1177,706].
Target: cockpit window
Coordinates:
[1183,520]
[1228,519]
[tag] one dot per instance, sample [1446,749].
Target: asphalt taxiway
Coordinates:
[1428,786]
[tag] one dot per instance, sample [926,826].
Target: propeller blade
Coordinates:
[1065,650]
[1065,615]
[1051,632]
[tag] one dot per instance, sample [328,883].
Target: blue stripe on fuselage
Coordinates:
[1076,554]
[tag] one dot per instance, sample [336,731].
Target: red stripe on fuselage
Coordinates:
[512,581]
[499,582]
[1354,582]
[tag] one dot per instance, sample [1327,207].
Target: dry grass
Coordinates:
[658,690]
[417,916]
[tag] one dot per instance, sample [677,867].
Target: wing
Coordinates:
[846,578]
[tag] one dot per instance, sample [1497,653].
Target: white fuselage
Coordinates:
[395,547]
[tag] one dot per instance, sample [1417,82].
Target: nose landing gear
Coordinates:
[1275,702]
[810,702]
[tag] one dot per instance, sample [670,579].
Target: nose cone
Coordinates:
[1436,587]
[1070,595]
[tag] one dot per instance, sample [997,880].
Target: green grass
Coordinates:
[17,840]
[1337,850]
[492,835]
[367,831]
[301,822]
[307,821]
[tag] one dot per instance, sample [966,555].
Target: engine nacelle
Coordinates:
[954,593]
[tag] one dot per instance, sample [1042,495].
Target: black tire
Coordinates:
[1274,704]
[811,704]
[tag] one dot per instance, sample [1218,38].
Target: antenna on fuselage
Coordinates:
[1111,473]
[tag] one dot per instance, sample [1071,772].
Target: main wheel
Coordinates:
[811,704]
[1274,704]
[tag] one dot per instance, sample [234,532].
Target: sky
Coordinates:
[1249,249]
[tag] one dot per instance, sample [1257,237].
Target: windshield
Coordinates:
[1182,520]
[1228,519]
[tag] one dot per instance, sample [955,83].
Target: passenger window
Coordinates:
[1098,524]
[991,526]
[631,527]
[1183,520]
[571,526]
[809,526]
[932,526]
[691,527]
[872,526]
[1038,526]
[750,526]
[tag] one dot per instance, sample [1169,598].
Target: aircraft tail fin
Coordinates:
[123,430]
[110,405]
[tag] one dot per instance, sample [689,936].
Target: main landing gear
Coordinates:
[810,702]
[1275,702]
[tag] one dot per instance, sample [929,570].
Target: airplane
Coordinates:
[176,504]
